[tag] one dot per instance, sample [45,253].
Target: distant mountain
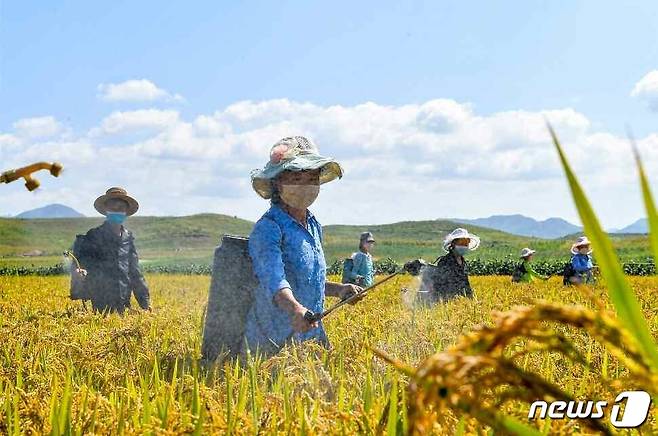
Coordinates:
[51,211]
[551,228]
[640,226]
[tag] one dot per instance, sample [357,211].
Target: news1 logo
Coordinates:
[635,412]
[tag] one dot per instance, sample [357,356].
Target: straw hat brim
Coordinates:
[574,249]
[100,202]
[473,243]
[261,180]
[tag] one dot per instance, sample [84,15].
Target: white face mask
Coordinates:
[299,196]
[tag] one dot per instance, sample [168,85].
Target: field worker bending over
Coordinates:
[449,277]
[286,249]
[579,270]
[524,273]
[110,259]
[361,271]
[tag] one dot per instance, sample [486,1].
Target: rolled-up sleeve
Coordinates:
[266,256]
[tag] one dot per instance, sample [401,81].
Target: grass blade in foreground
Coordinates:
[622,296]
[649,204]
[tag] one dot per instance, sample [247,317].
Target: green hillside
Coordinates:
[165,240]
[191,239]
[406,240]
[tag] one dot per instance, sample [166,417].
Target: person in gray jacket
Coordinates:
[107,253]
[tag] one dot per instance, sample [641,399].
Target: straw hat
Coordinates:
[527,252]
[473,244]
[295,153]
[579,243]
[116,192]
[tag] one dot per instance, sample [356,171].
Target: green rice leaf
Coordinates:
[391,427]
[622,296]
[649,204]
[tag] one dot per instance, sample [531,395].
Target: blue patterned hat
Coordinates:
[295,153]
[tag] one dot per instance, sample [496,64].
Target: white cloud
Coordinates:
[137,121]
[428,160]
[443,116]
[647,89]
[7,140]
[135,90]
[38,127]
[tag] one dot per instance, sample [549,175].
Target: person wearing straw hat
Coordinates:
[108,255]
[580,268]
[285,247]
[362,271]
[524,273]
[448,278]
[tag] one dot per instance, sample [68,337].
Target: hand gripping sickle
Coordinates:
[31,183]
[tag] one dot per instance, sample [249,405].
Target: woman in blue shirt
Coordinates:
[362,272]
[286,249]
[581,262]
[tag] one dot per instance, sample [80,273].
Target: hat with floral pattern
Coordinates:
[295,153]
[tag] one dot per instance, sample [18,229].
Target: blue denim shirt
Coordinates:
[284,255]
[362,266]
[581,262]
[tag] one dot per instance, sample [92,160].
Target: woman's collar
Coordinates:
[279,209]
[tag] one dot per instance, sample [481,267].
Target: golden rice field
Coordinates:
[67,371]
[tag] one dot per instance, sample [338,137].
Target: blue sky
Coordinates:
[494,57]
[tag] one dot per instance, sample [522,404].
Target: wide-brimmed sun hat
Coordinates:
[473,243]
[527,252]
[583,240]
[116,192]
[295,153]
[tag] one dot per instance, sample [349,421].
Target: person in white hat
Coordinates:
[581,264]
[110,259]
[524,273]
[448,278]
[285,247]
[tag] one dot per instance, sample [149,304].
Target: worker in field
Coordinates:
[579,270]
[524,272]
[358,269]
[107,254]
[285,247]
[448,277]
